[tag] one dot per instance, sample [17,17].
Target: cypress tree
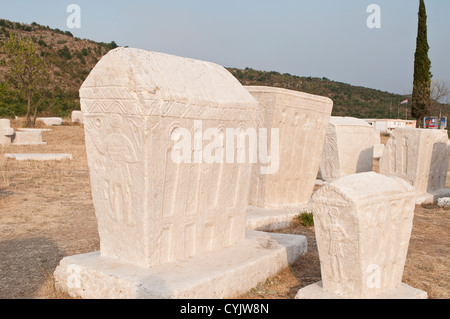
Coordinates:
[422,66]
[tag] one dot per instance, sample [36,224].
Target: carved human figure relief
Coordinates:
[337,235]
[121,155]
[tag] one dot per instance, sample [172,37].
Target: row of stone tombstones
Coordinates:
[154,211]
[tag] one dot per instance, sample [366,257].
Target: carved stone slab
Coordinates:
[301,120]
[363,224]
[421,157]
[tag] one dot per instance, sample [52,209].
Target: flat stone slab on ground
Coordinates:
[50,120]
[224,273]
[39,157]
[34,129]
[316,291]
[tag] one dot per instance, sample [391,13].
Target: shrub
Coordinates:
[65,53]
[306,219]
[6,112]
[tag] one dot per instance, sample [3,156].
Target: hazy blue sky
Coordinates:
[321,38]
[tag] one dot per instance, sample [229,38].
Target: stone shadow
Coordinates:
[26,265]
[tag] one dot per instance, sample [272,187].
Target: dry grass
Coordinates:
[46,213]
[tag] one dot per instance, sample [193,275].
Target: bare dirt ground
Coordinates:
[46,213]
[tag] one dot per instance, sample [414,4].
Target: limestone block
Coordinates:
[348,148]
[49,121]
[150,208]
[301,120]
[34,129]
[170,226]
[77,117]
[378,150]
[30,137]
[419,156]
[363,224]
[6,132]
[39,157]
[444,202]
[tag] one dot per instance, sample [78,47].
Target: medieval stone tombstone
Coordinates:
[296,123]
[169,208]
[363,224]
[348,148]
[421,157]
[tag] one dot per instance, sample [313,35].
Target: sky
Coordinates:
[320,38]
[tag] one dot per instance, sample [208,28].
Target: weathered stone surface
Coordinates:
[6,132]
[34,129]
[77,117]
[49,121]
[421,157]
[316,291]
[444,202]
[301,120]
[348,148]
[39,157]
[378,150]
[271,219]
[363,224]
[30,137]
[223,273]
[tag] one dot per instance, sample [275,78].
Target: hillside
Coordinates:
[69,60]
[348,100]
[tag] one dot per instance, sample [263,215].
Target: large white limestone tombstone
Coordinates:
[348,148]
[363,224]
[421,157]
[167,225]
[282,188]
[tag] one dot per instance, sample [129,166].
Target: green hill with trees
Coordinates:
[68,61]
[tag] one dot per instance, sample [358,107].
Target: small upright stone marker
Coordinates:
[6,132]
[421,157]
[77,117]
[363,224]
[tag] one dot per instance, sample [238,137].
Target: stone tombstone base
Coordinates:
[316,291]
[225,273]
[432,197]
[271,219]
